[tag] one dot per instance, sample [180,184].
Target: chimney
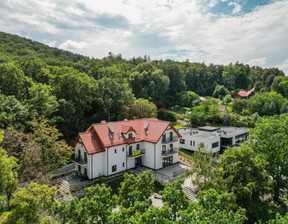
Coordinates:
[103,122]
[146,124]
[111,127]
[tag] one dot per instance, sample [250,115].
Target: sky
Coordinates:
[210,31]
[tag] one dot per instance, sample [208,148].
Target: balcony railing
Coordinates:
[168,140]
[80,160]
[136,153]
[169,151]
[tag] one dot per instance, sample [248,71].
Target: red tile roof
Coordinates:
[101,133]
[245,93]
[125,129]
[90,142]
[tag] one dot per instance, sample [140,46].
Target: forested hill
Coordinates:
[73,91]
[19,47]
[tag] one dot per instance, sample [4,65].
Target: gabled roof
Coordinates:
[90,142]
[104,138]
[245,93]
[125,129]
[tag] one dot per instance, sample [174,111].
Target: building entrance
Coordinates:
[167,161]
[138,161]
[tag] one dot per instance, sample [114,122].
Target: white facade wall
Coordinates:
[158,155]
[148,159]
[192,142]
[130,163]
[175,158]
[117,159]
[98,165]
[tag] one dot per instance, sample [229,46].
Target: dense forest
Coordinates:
[48,95]
[73,91]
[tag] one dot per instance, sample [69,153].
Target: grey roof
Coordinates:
[197,133]
[211,132]
[208,128]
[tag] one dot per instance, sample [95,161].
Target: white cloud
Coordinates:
[258,61]
[284,67]
[237,7]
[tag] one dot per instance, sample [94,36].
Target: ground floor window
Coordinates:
[241,138]
[167,161]
[114,168]
[215,144]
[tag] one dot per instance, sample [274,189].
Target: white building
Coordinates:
[213,138]
[109,148]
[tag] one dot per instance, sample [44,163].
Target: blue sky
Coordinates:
[210,31]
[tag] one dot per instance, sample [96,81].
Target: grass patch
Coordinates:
[186,153]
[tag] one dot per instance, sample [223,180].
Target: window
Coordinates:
[123,149]
[115,151]
[164,137]
[123,164]
[215,144]
[93,137]
[85,156]
[79,168]
[110,136]
[190,143]
[147,132]
[130,150]
[182,141]
[171,136]
[114,168]
[138,146]
[120,135]
[193,143]
[130,135]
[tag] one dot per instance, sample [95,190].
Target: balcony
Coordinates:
[80,160]
[169,152]
[137,153]
[169,140]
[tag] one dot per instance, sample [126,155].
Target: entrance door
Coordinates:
[138,161]
[167,161]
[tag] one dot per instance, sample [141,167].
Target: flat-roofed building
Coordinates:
[213,138]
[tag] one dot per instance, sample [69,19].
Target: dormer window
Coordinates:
[110,136]
[130,135]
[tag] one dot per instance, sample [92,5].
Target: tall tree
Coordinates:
[8,172]
[28,204]
[270,141]
[149,82]
[54,151]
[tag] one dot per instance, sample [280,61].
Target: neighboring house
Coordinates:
[244,94]
[214,138]
[109,148]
